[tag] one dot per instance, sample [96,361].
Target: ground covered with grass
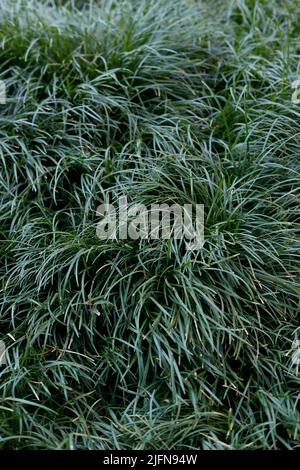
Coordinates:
[138,344]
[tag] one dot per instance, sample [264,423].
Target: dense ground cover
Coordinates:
[121,345]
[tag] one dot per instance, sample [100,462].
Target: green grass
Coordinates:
[139,345]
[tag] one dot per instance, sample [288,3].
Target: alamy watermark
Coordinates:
[296,353]
[2,354]
[296,94]
[2,92]
[159,221]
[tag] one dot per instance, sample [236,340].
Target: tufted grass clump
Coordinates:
[136,344]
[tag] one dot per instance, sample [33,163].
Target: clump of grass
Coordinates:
[122,345]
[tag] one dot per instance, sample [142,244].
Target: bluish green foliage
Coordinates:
[122,345]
